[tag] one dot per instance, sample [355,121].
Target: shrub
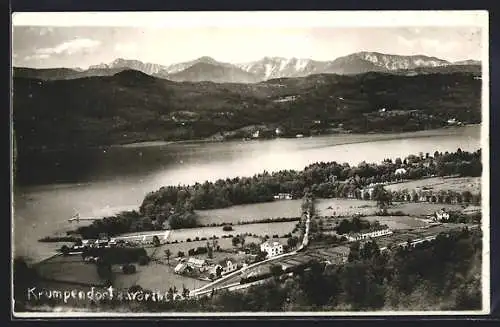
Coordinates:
[196,238]
[64,249]
[227,228]
[129,269]
[201,250]
[188,240]
[143,260]
[116,255]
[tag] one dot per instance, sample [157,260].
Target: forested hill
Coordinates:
[131,106]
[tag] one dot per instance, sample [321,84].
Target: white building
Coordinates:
[180,268]
[196,263]
[442,215]
[283,196]
[369,234]
[400,171]
[226,267]
[272,248]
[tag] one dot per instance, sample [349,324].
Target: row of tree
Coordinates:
[176,205]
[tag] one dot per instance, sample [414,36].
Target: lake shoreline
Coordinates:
[389,134]
[156,142]
[118,179]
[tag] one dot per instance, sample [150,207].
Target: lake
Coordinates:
[98,182]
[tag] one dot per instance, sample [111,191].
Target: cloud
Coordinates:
[126,47]
[69,47]
[37,57]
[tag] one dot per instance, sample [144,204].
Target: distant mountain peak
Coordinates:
[206,59]
[206,68]
[468,62]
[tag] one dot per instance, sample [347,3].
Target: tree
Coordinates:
[24,277]
[354,252]
[236,240]
[156,241]
[292,242]
[261,256]
[185,291]
[276,270]
[167,255]
[382,196]
[128,269]
[104,269]
[65,249]
[466,196]
[143,260]
[180,254]
[210,252]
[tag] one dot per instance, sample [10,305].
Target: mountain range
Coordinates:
[208,69]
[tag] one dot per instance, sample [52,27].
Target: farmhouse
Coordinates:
[442,215]
[283,196]
[196,263]
[225,266]
[368,234]
[180,268]
[272,248]
[400,171]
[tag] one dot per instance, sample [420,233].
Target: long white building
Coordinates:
[368,234]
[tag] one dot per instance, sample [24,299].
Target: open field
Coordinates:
[70,269]
[156,277]
[456,184]
[224,243]
[422,208]
[251,212]
[207,232]
[344,207]
[397,222]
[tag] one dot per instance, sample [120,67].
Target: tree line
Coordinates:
[176,205]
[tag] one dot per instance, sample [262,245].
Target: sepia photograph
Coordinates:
[303,163]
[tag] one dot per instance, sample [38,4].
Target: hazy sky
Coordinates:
[81,46]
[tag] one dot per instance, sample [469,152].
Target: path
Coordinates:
[235,277]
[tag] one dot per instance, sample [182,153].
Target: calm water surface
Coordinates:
[104,181]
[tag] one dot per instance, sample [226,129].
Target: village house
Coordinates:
[283,196]
[442,215]
[368,234]
[199,264]
[272,248]
[180,268]
[225,266]
[400,171]
[369,190]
